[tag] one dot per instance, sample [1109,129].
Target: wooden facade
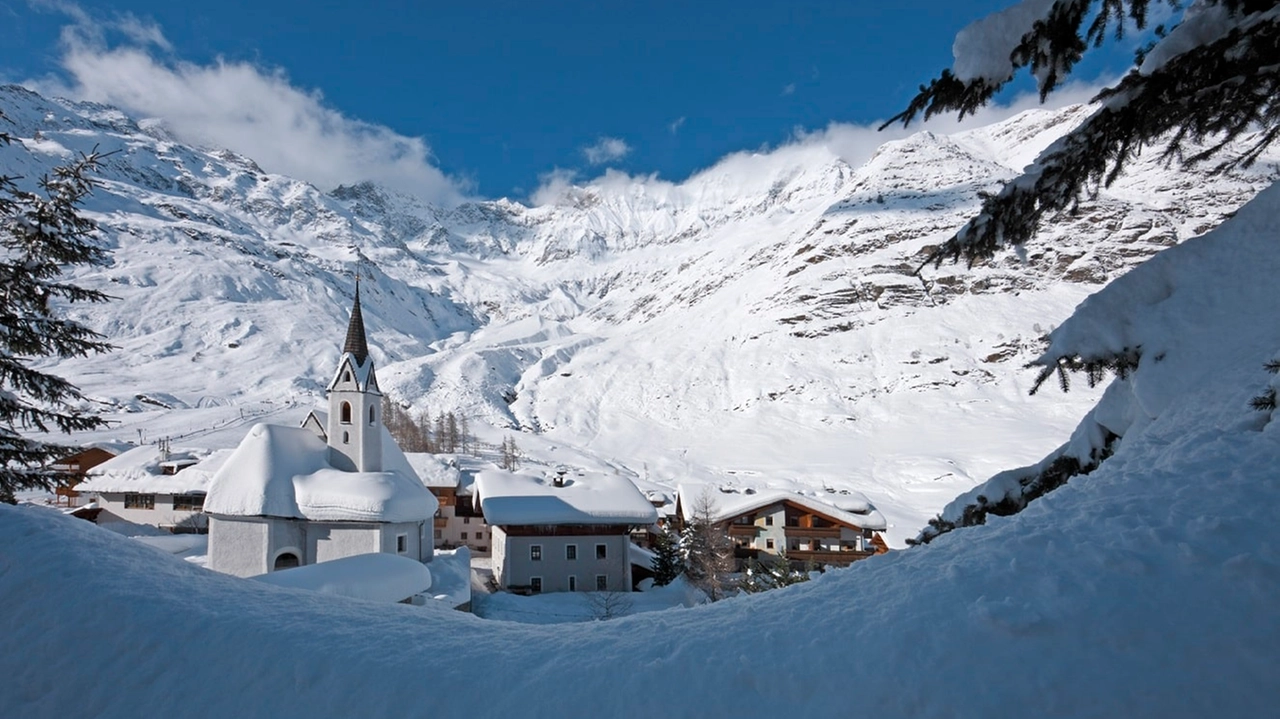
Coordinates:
[74,468]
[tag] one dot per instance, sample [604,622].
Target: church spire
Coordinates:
[356,343]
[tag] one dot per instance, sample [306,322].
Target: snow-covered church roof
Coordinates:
[507,498]
[285,472]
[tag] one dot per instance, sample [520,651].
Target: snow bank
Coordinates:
[284,472]
[586,498]
[378,577]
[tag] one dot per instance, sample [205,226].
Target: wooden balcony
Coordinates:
[815,532]
[836,558]
[441,522]
[743,530]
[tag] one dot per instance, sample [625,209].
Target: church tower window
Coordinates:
[370,416]
[346,413]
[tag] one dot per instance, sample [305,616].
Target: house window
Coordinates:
[571,551]
[573,583]
[535,583]
[768,544]
[745,519]
[346,413]
[439,534]
[464,536]
[346,438]
[466,520]
[479,535]
[535,553]
[602,583]
[139,501]
[188,502]
[768,521]
[602,551]
[402,543]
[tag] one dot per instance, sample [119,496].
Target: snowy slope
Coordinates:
[757,323]
[1144,589]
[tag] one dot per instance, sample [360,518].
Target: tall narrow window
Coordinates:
[602,551]
[573,583]
[371,416]
[535,553]
[346,413]
[535,584]
[602,583]
[571,551]
[346,438]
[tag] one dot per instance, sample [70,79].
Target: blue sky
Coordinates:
[491,96]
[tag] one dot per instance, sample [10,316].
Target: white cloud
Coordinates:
[742,173]
[252,110]
[553,187]
[676,124]
[790,89]
[606,149]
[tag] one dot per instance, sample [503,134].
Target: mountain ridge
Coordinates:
[758,322]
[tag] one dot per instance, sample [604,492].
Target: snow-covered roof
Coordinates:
[508,498]
[433,470]
[379,577]
[285,472]
[139,470]
[851,508]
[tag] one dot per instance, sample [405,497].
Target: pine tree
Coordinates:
[41,235]
[667,563]
[1200,86]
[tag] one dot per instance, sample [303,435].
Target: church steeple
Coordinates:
[356,343]
[355,403]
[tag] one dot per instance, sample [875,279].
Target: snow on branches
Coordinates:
[1210,81]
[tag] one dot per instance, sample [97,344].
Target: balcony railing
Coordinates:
[838,558]
[743,530]
[829,532]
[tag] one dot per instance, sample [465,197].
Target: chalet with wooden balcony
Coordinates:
[459,521]
[567,532]
[75,467]
[768,524]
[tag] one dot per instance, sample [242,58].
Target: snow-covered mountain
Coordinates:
[758,323]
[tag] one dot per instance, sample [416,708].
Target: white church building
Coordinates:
[336,487]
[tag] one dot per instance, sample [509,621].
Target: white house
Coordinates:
[565,533]
[155,485]
[336,487]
